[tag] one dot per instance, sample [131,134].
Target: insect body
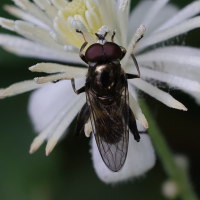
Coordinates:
[107,100]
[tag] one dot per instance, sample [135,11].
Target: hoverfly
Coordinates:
[107,100]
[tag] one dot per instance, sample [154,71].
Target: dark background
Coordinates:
[68,172]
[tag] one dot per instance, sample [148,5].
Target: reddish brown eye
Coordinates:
[112,51]
[94,53]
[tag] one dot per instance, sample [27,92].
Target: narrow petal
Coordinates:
[26,48]
[37,34]
[158,94]
[17,12]
[169,33]
[55,68]
[19,88]
[47,7]
[65,123]
[183,62]
[172,80]
[153,11]
[113,13]
[48,131]
[108,19]
[61,76]
[47,102]
[137,13]
[187,12]
[88,129]
[136,108]
[31,31]
[71,49]
[140,159]
[164,14]
[180,55]
[7,24]
[124,8]
[34,10]
[138,35]
[196,96]
[51,78]
[59,4]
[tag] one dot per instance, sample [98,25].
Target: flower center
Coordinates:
[76,7]
[85,11]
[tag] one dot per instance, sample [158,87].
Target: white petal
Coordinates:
[48,131]
[169,33]
[51,78]
[71,49]
[113,13]
[143,8]
[158,94]
[34,10]
[54,68]
[58,39]
[172,80]
[196,96]
[136,17]
[31,31]
[124,8]
[17,12]
[61,76]
[47,7]
[153,11]
[59,4]
[181,55]
[140,159]
[18,88]
[27,48]
[189,11]
[47,102]
[59,131]
[138,35]
[7,23]
[37,34]
[80,26]
[88,129]
[165,13]
[109,17]
[136,108]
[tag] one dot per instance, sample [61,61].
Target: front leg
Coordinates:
[81,90]
[83,46]
[134,59]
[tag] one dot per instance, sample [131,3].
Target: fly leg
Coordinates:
[143,132]
[131,122]
[81,90]
[82,47]
[113,35]
[131,76]
[82,119]
[133,125]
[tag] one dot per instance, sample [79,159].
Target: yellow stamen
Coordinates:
[85,11]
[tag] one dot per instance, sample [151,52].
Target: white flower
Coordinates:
[49,28]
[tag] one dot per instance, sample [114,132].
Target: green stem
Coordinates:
[173,171]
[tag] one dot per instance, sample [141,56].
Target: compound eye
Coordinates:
[94,53]
[112,51]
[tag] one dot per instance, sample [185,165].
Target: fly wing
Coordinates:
[110,128]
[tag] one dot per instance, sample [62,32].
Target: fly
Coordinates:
[107,100]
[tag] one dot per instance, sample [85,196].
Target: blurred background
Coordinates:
[68,172]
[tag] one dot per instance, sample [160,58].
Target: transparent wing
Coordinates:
[110,128]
